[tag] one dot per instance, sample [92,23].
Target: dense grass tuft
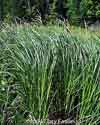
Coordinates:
[47,70]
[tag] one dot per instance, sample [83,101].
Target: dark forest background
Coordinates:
[48,10]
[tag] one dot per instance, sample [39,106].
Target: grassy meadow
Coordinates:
[44,70]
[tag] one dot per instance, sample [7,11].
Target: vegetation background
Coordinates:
[52,71]
[27,10]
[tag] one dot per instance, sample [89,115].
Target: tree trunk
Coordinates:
[46,6]
[60,7]
[14,10]
[1,10]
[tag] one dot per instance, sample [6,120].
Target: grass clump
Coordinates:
[43,71]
